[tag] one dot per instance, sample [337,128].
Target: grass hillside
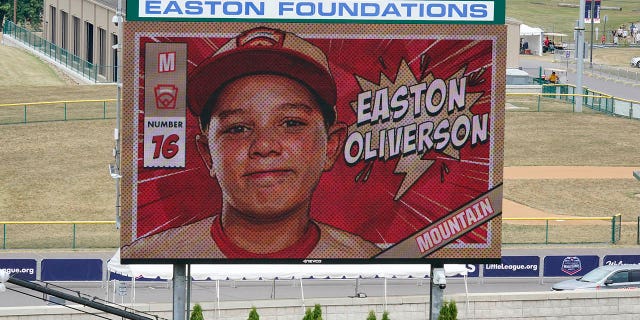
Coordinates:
[548,15]
[26,78]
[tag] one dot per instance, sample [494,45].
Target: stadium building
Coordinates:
[85,29]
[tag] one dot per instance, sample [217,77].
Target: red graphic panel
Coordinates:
[418,166]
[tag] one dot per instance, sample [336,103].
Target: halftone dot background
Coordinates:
[168,197]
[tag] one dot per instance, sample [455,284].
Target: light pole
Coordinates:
[592,16]
[604,31]
[580,56]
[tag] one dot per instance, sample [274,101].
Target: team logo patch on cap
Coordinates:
[261,37]
[166,95]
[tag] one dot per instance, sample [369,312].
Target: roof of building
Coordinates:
[113,4]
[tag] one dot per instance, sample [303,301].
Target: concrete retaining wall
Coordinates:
[602,304]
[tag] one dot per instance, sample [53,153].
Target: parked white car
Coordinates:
[604,277]
[635,62]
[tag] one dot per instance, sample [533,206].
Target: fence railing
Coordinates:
[568,230]
[73,224]
[12,113]
[592,99]
[554,231]
[88,70]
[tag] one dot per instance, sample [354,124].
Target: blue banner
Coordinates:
[24,269]
[71,270]
[596,12]
[514,266]
[621,259]
[569,266]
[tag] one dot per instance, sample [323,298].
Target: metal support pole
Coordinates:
[546,232]
[188,290]
[179,291]
[592,16]
[613,229]
[436,291]
[116,134]
[580,56]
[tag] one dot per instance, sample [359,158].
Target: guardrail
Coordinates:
[592,99]
[13,113]
[73,223]
[616,226]
[93,72]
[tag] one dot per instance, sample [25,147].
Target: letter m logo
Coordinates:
[166,62]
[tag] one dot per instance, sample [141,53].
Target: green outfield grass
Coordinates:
[551,17]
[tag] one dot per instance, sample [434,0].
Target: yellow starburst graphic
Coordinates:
[410,118]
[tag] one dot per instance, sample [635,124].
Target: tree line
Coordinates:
[28,13]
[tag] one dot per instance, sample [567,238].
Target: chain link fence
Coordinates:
[13,113]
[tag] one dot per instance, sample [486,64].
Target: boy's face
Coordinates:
[269,146]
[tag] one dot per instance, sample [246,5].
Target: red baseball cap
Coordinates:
[262,51]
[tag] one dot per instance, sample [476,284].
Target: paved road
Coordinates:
[205,291]
[613,86]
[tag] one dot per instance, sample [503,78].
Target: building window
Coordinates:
[89,41]
[114,57]
[52,12]
[102,51]
[76,36]
[64,24]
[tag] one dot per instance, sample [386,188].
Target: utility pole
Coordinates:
[436,289]
[580,56]
[592,16]
[116,132]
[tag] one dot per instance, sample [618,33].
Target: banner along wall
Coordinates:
[315,143]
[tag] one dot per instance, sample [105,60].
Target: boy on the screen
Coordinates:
[266,106]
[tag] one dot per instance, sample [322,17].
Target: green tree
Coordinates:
[253,314]
[29,12]
[385,315]
[449,311]
[308,315]
[196,314]
[372,315]
[317,312]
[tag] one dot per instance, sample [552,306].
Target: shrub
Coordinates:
[308,315]
[253,314]
[372,315]
[196,314]
[385,315]
[449,311]
[316,314]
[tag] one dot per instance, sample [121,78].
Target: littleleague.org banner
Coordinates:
[266,141]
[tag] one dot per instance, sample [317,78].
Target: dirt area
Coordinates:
[512,209]
[548,172]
